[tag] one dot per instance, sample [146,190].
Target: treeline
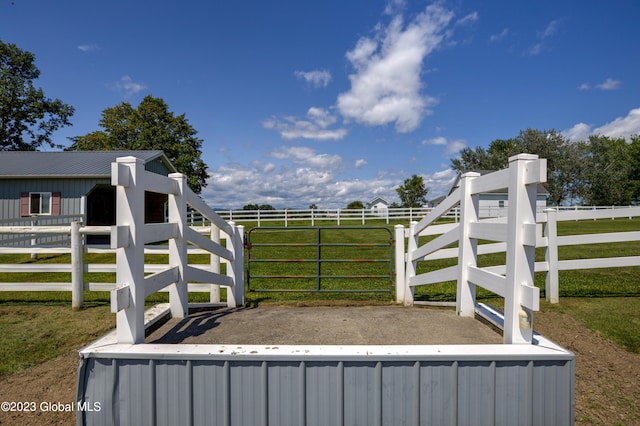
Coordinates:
[600,171]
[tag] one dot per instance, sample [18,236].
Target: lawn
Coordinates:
[37,326]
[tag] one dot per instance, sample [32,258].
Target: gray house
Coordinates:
[48,187]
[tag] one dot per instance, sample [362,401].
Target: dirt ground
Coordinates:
[607,380]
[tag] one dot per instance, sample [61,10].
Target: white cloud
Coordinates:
[127,86]
[609,84]
[307,156]
[499,36]
[579,132]
[549,31]
[452,146]
[440,140]
[88,47]
[314,126]
[621,127]
[386,86]
[394,6]
[317,78]
[468,19]
[302,177]
[360,163]
[439,183]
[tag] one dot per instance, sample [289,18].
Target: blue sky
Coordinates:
[302,102]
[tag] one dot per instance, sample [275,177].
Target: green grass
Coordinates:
[36,331]
[37,326]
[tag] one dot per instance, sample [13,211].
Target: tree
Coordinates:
[258,207]
[355,205]
[27,118]
[413,193]
[564,160]
[608,171]
[149,126]
[634,170]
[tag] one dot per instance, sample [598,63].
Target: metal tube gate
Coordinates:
[320,259]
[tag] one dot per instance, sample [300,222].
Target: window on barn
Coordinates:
[39,203]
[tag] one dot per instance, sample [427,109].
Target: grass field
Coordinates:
[37,326]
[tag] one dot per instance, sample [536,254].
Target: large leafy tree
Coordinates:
[27,117]
[608,172]
[149,126]
[564,160]
[413,192]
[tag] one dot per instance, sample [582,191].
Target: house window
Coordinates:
[500,203]
[39,203]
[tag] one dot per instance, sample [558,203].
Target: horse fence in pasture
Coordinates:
[297,217]
[518,235]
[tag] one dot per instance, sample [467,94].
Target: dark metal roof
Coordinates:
[25,164]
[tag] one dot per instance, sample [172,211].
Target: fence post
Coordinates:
[525,172]
[468,247]
[178,292]
[238,264]
[77,267]
[127,238]
[400,266]
[339,212]
[552,289]
[412,245]
[232,267]
[214,260]
[34,237]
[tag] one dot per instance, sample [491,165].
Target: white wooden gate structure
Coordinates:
[130,234]
[517,235]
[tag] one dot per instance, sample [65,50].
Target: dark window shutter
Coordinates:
[55,203]
[24,204]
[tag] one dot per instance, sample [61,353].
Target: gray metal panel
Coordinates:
[228,391]
[71,190]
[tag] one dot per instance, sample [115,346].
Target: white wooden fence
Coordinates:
[551,241]
[130,235]
[519,234]
[78,266]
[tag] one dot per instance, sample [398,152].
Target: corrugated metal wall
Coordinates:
[386,391]
[72,191]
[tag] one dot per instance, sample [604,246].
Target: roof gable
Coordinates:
[69,164]
[377,200]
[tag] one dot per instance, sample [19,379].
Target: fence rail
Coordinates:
[78,268]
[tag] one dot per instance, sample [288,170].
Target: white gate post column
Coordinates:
[126,237]
[400,263]
[238,264]
[77,267]
[412,245]
[525,172]
[552,290]
[214,259]
[468,247]
[179,292]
